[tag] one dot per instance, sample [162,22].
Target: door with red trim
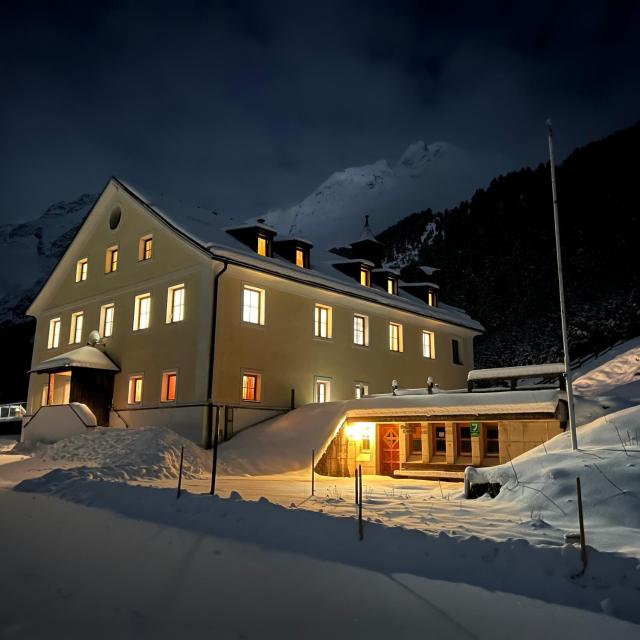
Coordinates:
[389,448]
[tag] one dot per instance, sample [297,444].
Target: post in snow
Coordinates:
[563,312]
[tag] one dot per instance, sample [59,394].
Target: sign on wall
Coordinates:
[475,429]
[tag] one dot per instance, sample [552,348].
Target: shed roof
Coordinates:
[527,371]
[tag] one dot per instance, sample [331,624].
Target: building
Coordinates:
[160,313]
[437,435]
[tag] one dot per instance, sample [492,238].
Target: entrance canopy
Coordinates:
[87,357]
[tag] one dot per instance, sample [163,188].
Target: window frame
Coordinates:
[164,389]
[459,426]
[365,330]
[55,327]
[392,286]
[257,388]
[431,342]
[260,309]
[132,393]
[301,258]
[171,303]
[485,431]
[435,426]
[456,351]
[399,338]
[145,245]
[112,256]
[82,270]
[318,323]
[137,307]
[109,306]
[364,386]
[365,276]
[317,382]
[76,328]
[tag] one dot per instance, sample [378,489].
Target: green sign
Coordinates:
[475,429]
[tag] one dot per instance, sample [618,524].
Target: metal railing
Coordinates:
[12,411]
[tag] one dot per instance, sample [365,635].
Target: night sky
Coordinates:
[246,106]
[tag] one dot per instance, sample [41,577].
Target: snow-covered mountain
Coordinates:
[433,176]
[30,250]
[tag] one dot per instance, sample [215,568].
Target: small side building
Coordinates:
[419,434]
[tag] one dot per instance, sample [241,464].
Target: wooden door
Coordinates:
[389,447]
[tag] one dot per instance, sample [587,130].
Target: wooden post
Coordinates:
[180,472]
[293,399]
[214,457]
[313,474]
[360,531]
[583,546]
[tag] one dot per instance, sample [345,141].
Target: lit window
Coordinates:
[427,344]
[135,389]
[395,336]
[145,248]
[169,383]
[107,313]
[392,286]
[365,277]
[299,257]
[142,312]
[431,299]
[253,305]
[54,333]
[251,387]
[262,245]
[77,320]
[323,390]
[455,351]
[365,442]
[322,321]
[82,267]
[175,303]
[111,260]
[362,389]
[361,330]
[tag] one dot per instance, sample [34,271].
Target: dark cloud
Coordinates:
[247,106]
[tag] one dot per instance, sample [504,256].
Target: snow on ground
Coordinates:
[615,373]
[543,481]
[141,564]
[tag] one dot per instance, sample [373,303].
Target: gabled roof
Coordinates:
[207,228]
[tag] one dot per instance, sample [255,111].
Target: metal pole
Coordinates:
[360,532]
[313,476]
[563,312]
[357,501]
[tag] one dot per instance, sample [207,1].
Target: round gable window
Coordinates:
[114,218]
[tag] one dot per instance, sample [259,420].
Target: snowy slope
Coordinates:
[36,246]
[426,175]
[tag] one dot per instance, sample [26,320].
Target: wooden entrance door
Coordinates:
[389,447]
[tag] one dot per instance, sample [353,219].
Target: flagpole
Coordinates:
[563,311]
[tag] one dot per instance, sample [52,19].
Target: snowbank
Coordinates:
[542,482]
[150,453]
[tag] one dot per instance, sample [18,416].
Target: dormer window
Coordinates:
[299,257]
[293,250]
[263,245]
[392,286]
[365,277]
[431,298]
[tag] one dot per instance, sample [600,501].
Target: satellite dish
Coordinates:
[94,338]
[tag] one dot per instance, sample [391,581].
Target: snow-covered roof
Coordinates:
[528,371]
[207,229]
[86,357]
[428,270]
[450,404]
[417,285]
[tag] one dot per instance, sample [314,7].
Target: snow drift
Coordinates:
[150,453]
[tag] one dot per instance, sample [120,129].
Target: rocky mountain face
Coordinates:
[28,253]
[332,215]
[497,258]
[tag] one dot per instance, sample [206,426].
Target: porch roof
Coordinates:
[86,357]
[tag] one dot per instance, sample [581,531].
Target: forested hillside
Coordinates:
[497,254]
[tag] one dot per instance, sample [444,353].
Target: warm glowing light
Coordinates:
[360,430]
[262,246]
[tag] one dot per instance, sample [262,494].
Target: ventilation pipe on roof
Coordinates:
[429,385]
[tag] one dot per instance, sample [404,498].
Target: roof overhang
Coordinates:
[86,357]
